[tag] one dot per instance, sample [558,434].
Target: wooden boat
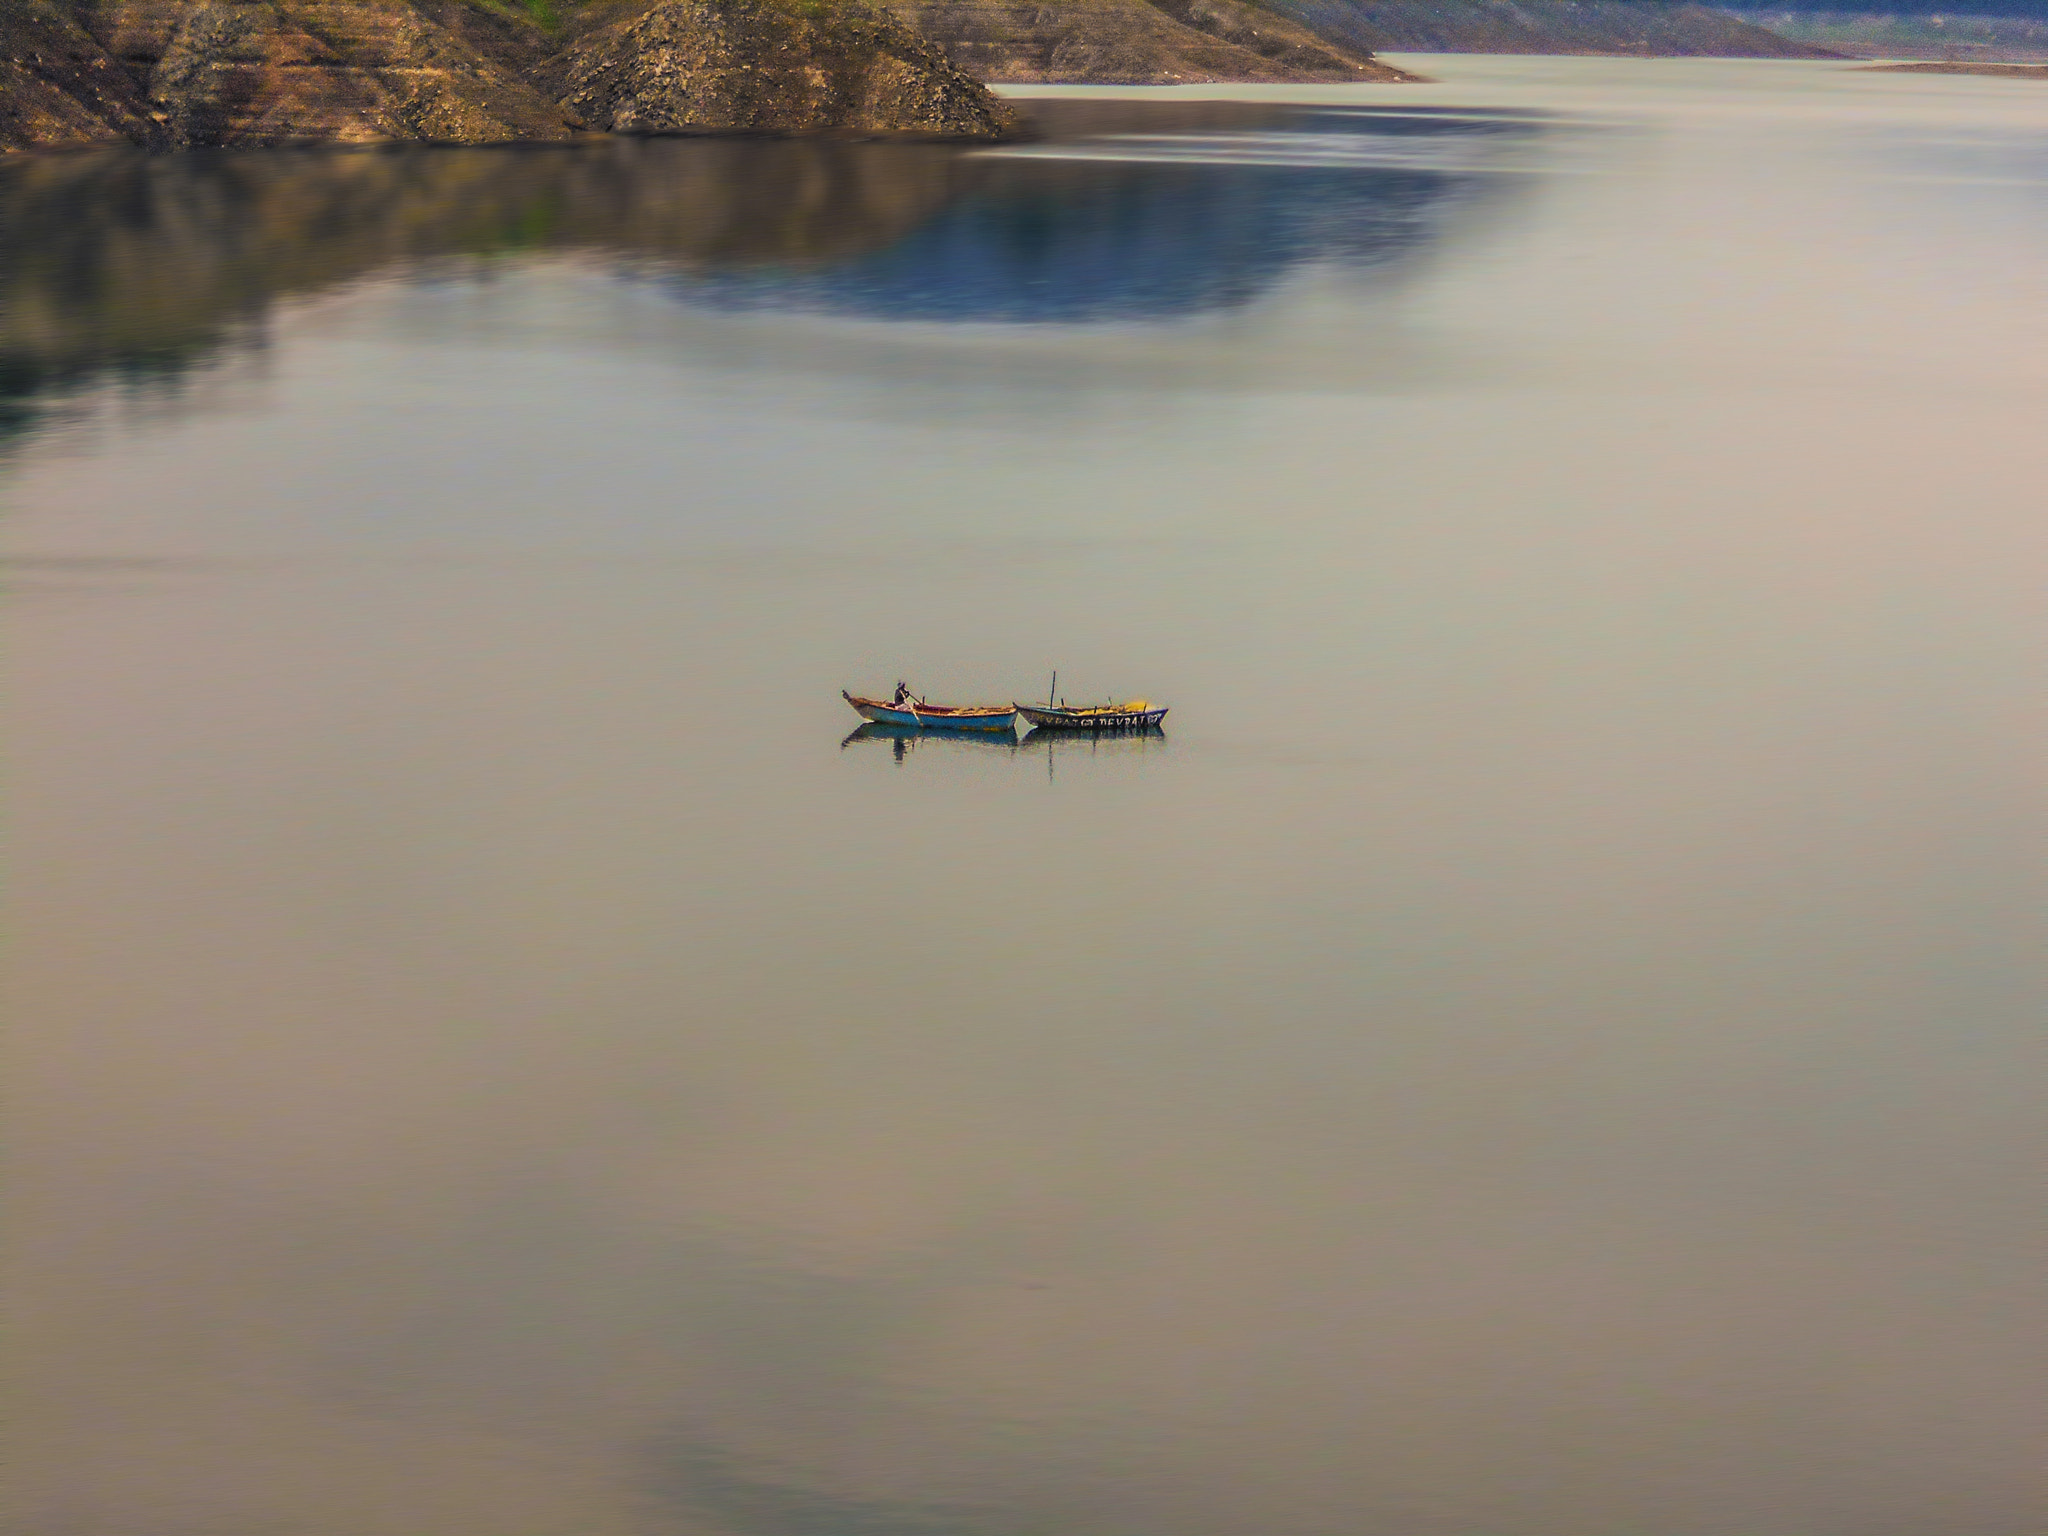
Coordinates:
[1138,715]
[918,715]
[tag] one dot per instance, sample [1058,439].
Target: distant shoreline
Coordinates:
[2015,71]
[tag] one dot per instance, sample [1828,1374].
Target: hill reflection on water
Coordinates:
[1147,221]
[128,264]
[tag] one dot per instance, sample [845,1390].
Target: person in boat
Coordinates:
[902,692]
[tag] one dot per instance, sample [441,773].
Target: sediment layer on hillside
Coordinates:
[184,73]
[1628,28]
[1136,42]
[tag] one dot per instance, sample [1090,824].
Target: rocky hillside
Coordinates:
[1148,42]
[1644,28]
[802,66]
[57,83]
[178,73]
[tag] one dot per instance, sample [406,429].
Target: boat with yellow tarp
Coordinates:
[1137,715]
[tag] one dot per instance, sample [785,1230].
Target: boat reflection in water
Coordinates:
[1143,739]
[905,738]
[1128,743]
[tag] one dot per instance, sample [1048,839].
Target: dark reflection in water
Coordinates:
[905,738]
[1123,225]
[133,266]
[1112,744]
[1096,742]
[702,1482]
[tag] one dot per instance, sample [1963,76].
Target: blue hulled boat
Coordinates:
[910,710]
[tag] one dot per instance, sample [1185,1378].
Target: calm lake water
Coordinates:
[1548,1043]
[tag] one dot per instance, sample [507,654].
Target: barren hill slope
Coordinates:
[1641,28]
[1151,42]
[173,73]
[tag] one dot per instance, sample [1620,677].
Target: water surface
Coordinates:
[1546,1043]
